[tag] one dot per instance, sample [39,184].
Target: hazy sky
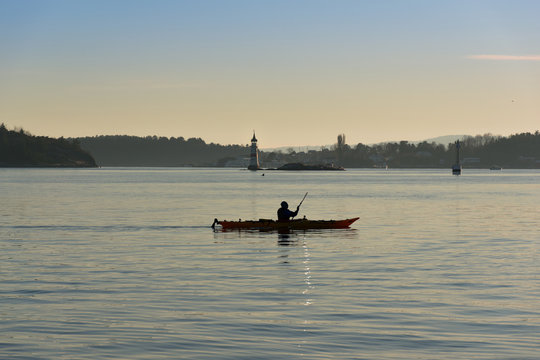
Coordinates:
[298,72]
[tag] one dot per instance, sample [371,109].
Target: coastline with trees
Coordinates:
[518,151]
[20,149]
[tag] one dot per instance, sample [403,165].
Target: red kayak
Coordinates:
[300,224]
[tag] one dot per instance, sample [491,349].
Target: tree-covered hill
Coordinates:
[518,151]
[20,149]
[481,151]
[123,150]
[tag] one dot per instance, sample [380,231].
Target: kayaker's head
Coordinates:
[284,205]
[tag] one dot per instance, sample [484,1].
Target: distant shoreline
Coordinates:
[19,149]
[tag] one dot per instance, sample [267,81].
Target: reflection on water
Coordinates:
[307,275]
[292,238]
[287,238]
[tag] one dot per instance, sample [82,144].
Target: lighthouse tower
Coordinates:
[254,156]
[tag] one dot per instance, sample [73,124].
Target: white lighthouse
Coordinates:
[254,156]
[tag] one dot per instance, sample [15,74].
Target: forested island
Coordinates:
[481,151]
[21,149]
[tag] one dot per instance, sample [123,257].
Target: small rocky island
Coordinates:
[20,149]
[300,166]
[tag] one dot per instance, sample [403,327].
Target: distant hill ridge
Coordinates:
[443,140]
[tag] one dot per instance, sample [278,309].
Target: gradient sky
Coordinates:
[298,72]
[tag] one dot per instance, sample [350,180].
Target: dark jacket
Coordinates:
[286,214]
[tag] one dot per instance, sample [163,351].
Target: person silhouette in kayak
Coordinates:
[284,214]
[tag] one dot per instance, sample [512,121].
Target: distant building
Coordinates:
[254,155]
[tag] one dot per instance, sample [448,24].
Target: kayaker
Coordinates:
[284,214]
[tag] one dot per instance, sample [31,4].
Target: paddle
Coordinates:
[304,198]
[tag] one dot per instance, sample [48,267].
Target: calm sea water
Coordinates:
[121,263]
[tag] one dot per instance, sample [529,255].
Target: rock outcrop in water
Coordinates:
[19,149]
[300,166]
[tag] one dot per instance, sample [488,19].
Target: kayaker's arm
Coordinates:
[293,214]
[298,207]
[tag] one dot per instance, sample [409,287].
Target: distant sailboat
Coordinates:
[456,168]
